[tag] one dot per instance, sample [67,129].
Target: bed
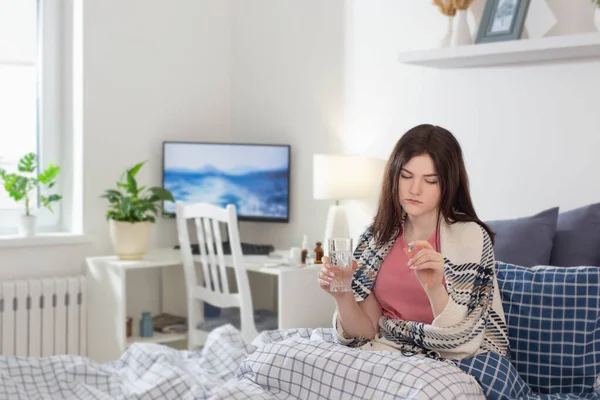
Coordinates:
[553,318]
[284,364]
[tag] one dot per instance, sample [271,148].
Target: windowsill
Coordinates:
[44,239]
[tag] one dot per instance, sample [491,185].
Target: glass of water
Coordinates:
[340,255]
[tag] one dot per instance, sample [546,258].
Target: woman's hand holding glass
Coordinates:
[333,273]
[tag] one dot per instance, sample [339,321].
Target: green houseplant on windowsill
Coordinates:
[21,185]
[132,211]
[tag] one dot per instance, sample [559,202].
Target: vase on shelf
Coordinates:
[540,20]
[475,13]
[461,34]
[573,17]
[446,40]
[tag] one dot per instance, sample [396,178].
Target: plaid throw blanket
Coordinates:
[473,321]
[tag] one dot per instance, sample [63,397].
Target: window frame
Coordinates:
[50,111]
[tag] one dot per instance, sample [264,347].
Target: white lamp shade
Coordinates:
[346,177]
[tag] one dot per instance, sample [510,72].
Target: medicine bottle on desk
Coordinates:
[319,252]
[304,252]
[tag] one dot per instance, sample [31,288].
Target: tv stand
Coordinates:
[247,248]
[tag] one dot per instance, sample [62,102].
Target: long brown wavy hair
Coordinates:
[455,200]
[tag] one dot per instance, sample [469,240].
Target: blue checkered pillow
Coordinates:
[553,317]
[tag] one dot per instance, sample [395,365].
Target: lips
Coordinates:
[411,201]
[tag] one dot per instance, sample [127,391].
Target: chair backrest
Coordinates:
[214,287]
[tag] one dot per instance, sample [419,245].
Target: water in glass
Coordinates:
[340,254]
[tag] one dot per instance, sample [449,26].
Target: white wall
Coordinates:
[299,66]
[153,71]
[287,87]
[530,134]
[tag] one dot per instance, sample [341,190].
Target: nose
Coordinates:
[415,187]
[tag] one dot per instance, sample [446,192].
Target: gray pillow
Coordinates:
[525,241]
[577,239]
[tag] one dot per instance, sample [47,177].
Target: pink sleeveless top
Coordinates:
[398,289]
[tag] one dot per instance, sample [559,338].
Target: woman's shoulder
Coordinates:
[464,241]
[468,229]
[366,236]
[367,240]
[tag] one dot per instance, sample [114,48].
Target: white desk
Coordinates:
[301,303]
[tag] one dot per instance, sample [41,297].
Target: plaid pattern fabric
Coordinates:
[472,321]
[501,380]
[307,364]
[292,364]
[553,318]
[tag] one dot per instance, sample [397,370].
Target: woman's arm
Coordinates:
[428,265]
[358,319]
[357,315]
[438,298]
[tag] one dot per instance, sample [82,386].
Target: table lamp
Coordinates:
[344,177]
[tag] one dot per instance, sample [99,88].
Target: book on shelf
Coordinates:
[169,323]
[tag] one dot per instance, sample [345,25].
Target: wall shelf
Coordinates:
[525,51]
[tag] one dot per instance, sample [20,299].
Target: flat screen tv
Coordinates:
[254,177]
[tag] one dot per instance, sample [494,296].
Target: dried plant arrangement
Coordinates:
[462,4]
[446,7]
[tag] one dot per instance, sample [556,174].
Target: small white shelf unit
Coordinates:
[107,299]
[524,51]
[157,338]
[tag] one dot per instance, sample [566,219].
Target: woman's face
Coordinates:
[419,186]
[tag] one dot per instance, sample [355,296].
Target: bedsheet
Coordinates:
[282,364]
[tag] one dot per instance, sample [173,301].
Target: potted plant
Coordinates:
[132,212]
[20,185]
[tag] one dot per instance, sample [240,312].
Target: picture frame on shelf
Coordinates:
[502,20]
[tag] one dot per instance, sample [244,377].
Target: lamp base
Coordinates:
[336,225]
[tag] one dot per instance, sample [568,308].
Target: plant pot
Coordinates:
[130,239]
[27,225]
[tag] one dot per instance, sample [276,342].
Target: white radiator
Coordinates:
[43,317]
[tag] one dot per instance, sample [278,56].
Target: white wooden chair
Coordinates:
[207,218]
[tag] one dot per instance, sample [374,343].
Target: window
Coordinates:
[30,120]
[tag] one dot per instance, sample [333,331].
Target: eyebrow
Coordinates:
[427,175]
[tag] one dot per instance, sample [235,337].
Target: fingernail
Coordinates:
[331,274]
[410,261]
[413,267]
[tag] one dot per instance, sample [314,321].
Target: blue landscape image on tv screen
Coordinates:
[253,177]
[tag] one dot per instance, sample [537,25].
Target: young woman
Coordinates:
[423,277]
